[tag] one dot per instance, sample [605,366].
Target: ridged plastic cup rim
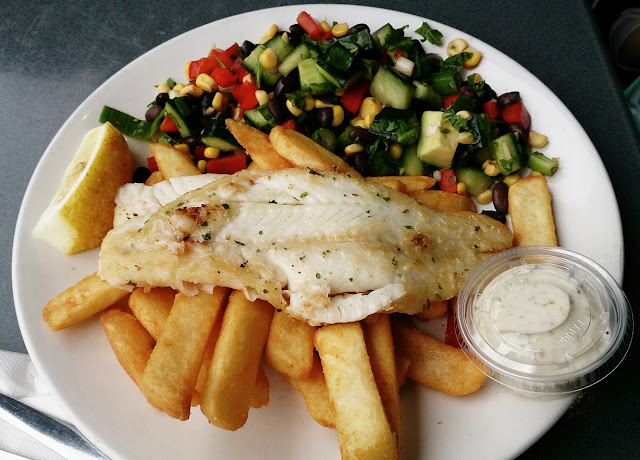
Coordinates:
[528,383]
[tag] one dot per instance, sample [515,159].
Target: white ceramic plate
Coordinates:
[107,406]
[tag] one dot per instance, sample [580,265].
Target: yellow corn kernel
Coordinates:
[184,148]
[466,138]
[262,96]
[269,34]
[178,87]
[269,59]
[295,111]
[191,90]
[285,37]
[318,104]
[537,140]
[353,148]
[490,168]
[309,102]
[456,46]
[338,115]
[340,30]
[236,114]
[370,106]
[461,189]
[206,83]
[474,60]
[477,78]
[218,101]
[211,152]
[464,114]
[210,111]
[511,179]
[202,165]
[163,88]
[186,69]
[535,173]
[395,150]
[248,77]
[485,197]
[368,119]
[324,25]
[358,122]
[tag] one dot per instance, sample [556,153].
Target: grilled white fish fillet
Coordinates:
[327,248]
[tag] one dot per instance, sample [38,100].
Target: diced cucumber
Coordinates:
[446,82]
[426,93]
[438,140]
[281,47]
[312,79]
[217,135]
[507,153]
[382,35]
[474,179]
[252,64]
[260,118]
[392,89]
[182,111]
[290,62]
[410,164]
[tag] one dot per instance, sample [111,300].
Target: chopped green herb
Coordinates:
[433,36]
[225,205]
[206,236]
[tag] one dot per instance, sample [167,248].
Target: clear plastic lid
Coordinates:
[544,321]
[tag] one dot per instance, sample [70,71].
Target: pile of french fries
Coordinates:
[207,350]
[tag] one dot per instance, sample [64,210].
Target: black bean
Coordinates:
[463,156]
[141,174]
[325,116]
[206,99]
[495,215]
[360,162]
[274,109]
[357,28]
[296,30]
[192,142]
[285,85]
[224,112]
[152,112]
[162,98]
[247,47]
[500,195]
[360,134]
[507,99]
[523,133]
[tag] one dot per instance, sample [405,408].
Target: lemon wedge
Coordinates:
[81,212]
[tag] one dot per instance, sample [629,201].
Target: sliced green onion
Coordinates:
[541,163]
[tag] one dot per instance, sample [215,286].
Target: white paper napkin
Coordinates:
[19,380]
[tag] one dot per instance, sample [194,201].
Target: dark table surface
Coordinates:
[54,53]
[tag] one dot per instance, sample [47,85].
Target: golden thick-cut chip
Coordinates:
[360,419]
[130,341]
[154,178]
[393,182]
[84,299]
[171,374]
[443,201]
[206,360]
[531,212]
[257,145]
[405,184]
[289,348]
[228,390]
[303,152]
[316,396]
[402,368]
[433,309]
[436,364]
[152,308]
[260,395]
[379,341]
[172,162]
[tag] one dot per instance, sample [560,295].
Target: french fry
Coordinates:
[82,300]
[402,368]
[229,388]
[435,364]
[393,182]
[360,419]
[289,348]
[172,162]
[316,396]
[206,360]
[260,394]
[443,201]
[130,341]
[434,309]
[154,178]
[303,152]
[257,145]
[379,341]
[531,212]
[170,376]
[405,184]
[152,308]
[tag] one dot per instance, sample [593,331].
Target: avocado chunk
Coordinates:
[438,140]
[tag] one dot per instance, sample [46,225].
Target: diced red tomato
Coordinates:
[245,94]
[239,70]
[224,77]
[168,125]
[204,65]
[228,164]
[452,333]
[198,152]
[311,27]
[353,96]
[492,109]
[152,164]
[226,57]
[448,181]
[291,124]
[517,113]
[448,100]
[398,53]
